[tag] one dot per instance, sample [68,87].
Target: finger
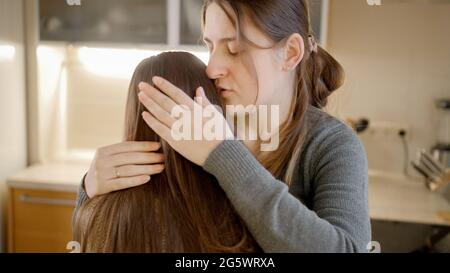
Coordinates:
[157,96]
[175,93]
[126,182]
[157,111]
[136,170]
[160,129]
[131,146]
[135,158]
[201,98]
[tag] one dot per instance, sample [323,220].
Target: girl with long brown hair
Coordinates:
[310,194]
[183,209]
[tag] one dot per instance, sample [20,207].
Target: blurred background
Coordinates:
[65,67]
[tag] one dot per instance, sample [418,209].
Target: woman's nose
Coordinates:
[216,68]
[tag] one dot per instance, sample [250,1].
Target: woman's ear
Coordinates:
[294,50]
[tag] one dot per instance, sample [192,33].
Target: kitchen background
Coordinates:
[64,74]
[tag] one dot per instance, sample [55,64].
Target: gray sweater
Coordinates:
[332,183]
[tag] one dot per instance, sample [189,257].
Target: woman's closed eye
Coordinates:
[208,46]
[233,48]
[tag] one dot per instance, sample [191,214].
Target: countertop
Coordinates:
[406,200]
[54,177]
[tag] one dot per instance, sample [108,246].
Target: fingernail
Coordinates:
[141,85]
[157,80]
[202,91]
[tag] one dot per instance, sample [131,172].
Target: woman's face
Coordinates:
[252,78]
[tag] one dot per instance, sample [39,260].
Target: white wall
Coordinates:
[51,89]
[397,60]
[13,146]
[102,99]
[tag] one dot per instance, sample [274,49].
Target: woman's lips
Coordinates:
[225,92]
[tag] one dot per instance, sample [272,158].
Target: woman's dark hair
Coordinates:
[317,75]
[183,209]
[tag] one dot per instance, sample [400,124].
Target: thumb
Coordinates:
[201,98]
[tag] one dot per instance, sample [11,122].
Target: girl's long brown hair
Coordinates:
[183,209]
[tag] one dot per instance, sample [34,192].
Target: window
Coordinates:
[166,22]
[190,18]
[130,21]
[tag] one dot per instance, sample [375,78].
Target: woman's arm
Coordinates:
[339,221]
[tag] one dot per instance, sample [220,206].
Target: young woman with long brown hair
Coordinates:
[308,195]
[183,209]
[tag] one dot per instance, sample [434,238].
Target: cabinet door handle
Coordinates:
[46,201]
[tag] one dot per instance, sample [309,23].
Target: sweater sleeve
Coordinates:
[81,198]
[339,219]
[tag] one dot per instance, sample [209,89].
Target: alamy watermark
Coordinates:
[74,246]
[249,122]
[374,2]
[372,247]
[73,2]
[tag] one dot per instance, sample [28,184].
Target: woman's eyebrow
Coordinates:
[226,39]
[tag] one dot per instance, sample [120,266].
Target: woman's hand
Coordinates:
[160,105]
[123,165]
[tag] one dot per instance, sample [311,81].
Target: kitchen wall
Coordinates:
[52,94]
[397,60]
[102,99]
[13,148]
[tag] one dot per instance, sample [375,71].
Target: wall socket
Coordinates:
[386,130]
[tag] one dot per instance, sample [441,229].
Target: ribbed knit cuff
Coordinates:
[82,195]
[231,162]
[81,198]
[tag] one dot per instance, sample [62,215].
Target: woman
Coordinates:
[183,209]
[308,195]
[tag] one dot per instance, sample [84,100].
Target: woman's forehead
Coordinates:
[217,24]
[218,27]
